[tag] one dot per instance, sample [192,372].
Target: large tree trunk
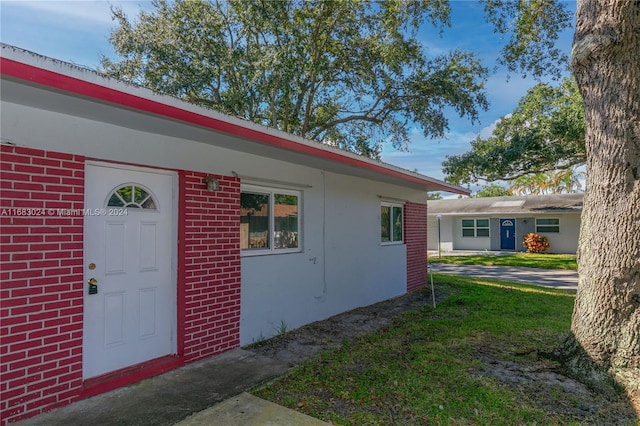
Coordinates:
[606,318]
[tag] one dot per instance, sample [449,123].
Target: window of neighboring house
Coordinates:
[391,230]
[475,227]
[548,225]
[269,220]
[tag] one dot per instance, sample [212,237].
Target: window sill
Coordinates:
[254,253]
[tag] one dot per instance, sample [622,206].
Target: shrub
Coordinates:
[536,243]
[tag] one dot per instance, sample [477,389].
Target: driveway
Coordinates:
[554,278]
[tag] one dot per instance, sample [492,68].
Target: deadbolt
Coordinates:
[93,285]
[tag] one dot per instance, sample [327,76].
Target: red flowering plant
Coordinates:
[536,243]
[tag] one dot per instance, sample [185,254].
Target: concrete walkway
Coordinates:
[211,392]
[554,278]
[248,410]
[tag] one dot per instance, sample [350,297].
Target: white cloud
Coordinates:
[487,131]
[426,155]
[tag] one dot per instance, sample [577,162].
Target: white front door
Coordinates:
[129,312]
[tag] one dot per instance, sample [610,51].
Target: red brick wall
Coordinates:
[41,271]
[415,225]
[42,282]
[210,277]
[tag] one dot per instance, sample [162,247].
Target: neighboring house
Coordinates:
[140,233]
[499,223]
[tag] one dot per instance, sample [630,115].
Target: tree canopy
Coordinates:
[559,182]
[545,133]
[492,190]
[353,74]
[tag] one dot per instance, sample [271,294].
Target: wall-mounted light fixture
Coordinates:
[212,183]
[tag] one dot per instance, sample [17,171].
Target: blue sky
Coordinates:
[78,32]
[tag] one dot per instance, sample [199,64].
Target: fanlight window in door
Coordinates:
[132,196]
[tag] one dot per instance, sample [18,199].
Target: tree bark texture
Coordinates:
[606,317]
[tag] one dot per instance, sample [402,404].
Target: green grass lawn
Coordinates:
[548,261]
[424,368]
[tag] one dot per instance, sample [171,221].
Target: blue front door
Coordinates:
[507,234]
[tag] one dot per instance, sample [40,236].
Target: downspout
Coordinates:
[323,296]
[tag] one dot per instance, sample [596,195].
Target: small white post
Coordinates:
[439,217]
[433,292]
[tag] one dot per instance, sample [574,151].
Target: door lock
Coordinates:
[93,286]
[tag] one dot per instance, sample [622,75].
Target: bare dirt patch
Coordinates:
[303,343]
[540,380]
[535,377]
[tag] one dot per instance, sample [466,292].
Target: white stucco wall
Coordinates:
[566,241]
[342,264]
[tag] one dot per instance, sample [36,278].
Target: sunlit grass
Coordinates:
[531,289]
[530,260]
[420,370]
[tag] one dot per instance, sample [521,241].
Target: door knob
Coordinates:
[92,281]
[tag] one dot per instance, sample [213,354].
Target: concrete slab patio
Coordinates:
[173,396]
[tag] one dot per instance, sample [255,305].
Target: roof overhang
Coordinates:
[508,205]
[46,83]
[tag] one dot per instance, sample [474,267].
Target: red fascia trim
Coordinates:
[66,83]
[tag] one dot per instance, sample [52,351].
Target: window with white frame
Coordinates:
[475,227]
[548,225]
[391,228]
[269,220]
